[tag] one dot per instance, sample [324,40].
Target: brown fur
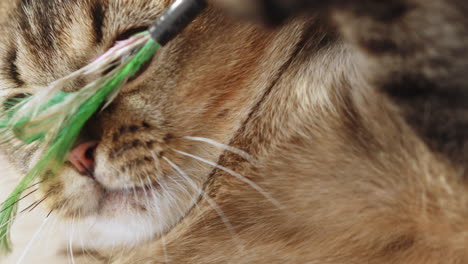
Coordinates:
[357,176]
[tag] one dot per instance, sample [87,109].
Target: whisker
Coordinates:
[17,201]
[16,216]
[164,246]
[210,201]
[28,246]
[50,213]
[29,207]
[157,163]
[238,176]
[22,198]
[34,205]
[83,250]
[50,229]
[35,184]
[70,240]
[163,239]
[234,150]
[145,191]
[164,188]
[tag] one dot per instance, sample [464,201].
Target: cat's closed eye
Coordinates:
[130,32]
[123,36]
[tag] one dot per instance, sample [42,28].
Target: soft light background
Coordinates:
[49,247]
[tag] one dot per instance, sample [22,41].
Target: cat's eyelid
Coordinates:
[130,32]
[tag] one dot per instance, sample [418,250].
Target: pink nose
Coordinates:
[82,157]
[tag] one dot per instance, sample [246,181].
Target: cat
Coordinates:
[335,137]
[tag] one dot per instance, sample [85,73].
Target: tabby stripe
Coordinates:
[12,68]
[98,15]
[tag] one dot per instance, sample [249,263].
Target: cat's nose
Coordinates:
[82,157]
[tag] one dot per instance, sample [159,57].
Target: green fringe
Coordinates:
[56,154]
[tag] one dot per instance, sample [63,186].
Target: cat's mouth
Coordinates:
[110,200]
[127,197]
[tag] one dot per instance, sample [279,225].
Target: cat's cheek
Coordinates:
[110,174]
[71,195]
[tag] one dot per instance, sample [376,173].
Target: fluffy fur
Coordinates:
[352,115]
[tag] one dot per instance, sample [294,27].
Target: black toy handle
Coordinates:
[175,19]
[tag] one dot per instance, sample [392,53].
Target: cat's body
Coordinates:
[342,172]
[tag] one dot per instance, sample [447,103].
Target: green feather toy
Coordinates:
[53,119]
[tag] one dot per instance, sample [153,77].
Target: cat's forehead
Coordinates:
[48,39]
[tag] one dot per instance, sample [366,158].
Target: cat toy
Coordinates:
[52,119]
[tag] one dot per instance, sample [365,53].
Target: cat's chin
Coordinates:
[111,210]
[122,220]
[130,200]
[101,232]
[118,218]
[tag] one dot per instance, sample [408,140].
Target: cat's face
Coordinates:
[144,179]
[338,174]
